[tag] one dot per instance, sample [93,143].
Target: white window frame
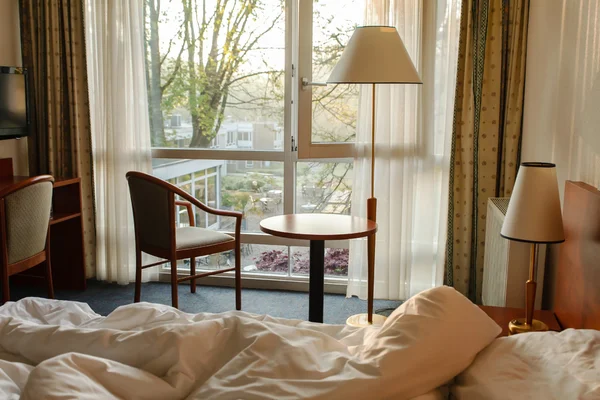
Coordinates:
[308,150]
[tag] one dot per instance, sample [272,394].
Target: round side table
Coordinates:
[317,228]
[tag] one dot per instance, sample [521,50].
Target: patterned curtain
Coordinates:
[52,40]
[486,136]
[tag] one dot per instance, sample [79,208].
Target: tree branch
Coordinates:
[240,78]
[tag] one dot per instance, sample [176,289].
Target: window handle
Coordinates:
[306,83]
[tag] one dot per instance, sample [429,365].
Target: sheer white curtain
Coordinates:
[412,152]
[120,126]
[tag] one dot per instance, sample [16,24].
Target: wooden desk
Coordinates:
[66,236]
[317,228]
[503,315]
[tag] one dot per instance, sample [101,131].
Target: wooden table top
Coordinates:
[318,226]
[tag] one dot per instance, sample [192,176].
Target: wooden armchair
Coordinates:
[154,208]
[24,234]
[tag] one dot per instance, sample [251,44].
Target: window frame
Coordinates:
[307,150]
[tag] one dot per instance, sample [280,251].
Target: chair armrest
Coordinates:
[188,206]
[191,199]
[205,208]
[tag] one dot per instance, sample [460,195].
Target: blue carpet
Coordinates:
[105,297]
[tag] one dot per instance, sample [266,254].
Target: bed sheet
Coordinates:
[52,349]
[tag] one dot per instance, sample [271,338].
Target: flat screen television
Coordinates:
[14,110]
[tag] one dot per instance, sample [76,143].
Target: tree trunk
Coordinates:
[199,139]
[156,116]
[190,39]
[147,56]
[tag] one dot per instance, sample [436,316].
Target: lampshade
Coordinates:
[534,208]
[375,54]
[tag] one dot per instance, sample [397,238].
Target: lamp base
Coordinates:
[362,320]
[520,326]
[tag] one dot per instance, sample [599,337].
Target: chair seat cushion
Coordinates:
[190,237]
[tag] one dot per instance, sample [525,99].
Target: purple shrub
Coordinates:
[274,261]
[336,262]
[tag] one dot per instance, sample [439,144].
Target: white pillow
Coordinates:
[547,365]
[426,342]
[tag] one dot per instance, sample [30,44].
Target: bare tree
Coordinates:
[159,78]
[218,42]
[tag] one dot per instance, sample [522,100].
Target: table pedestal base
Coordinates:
[317,280]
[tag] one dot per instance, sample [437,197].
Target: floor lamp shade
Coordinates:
[534,213]
[375,54]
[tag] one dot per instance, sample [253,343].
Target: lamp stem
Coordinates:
[371,215]
[373,143]
[531,285]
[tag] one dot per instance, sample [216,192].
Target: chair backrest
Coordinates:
[153,210]
[26,215]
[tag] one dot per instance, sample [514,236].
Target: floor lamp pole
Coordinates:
[372,215]
[359,320]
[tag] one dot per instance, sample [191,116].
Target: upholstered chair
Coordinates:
[24,229]
[154,208]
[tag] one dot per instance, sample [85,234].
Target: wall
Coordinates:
[10,55]
[562,96]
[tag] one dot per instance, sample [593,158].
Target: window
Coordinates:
[231,140]
[329,126]
[218,86]
[323,187]
[231,126]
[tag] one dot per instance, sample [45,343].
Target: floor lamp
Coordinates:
[374,55]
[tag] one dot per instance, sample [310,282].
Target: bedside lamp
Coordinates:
[534,217]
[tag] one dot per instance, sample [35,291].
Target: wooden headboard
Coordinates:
[577,294]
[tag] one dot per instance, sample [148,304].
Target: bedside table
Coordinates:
[503,315]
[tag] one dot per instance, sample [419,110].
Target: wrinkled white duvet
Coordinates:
[59,349]
[540,365]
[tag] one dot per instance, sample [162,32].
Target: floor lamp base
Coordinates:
[362,320]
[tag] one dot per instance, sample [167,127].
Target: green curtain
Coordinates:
[486,136]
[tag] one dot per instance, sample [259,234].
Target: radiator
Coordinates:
[506,263]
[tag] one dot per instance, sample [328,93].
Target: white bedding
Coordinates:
[546,365]
[53,349]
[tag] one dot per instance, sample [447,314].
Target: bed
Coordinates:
[436,345]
